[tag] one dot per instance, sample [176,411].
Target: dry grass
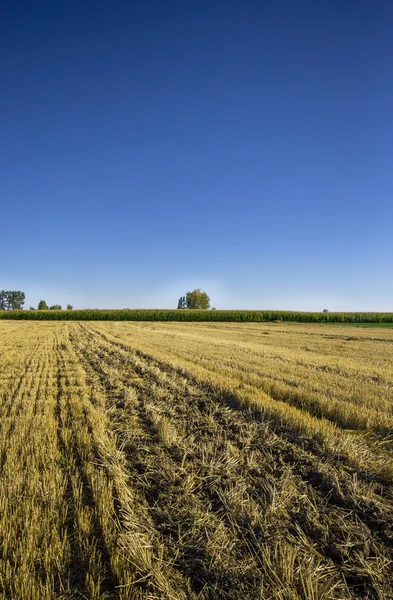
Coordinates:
[195,461]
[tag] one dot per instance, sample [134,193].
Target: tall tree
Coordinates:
[197,299]
[42,305]
[3,300]
[11,300]
[16,300]
[182,302]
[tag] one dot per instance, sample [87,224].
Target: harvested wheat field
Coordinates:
[195,461]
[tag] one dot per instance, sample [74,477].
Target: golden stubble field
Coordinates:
[195,461]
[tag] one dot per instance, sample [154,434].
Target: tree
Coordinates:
[182,302]
[42,305]
[11,300]
[69,307]
[55,307]
[3,300]
[197,299]
[16,300]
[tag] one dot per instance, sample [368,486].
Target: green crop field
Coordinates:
[199,315]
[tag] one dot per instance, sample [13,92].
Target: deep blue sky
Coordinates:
[151,147]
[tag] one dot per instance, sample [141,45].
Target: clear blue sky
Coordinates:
[151,147]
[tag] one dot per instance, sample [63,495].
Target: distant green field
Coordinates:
[363,318]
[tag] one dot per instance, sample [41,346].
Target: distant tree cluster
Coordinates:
[11,300]
[194,299]
[42,305]
[14,300]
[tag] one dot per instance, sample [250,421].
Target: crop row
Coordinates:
[198,315]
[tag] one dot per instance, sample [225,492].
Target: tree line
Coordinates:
[42,305]
[14,300]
